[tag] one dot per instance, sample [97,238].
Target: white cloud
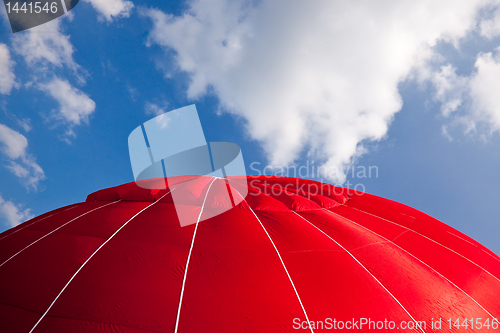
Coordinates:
[133,93]
[155,109]
[44,48]
[14,146]
[485,88]
[75,106]
[7,76]
[13,214]
[315,77]
[490,28]
[25,123]
[110,9]
[450,89]
[471,101]
[44,45]
[18,170]
[159,112]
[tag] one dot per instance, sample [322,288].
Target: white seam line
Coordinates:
[189,259]
[428,239]
[282,263]
[39,239]
[462,239]
[39,220]
[490,255]
[88,259]
[423,262]
[366,269]
[401,234]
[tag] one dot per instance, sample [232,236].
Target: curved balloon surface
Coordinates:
[293,255]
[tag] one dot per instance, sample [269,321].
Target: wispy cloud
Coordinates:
[45,46]
[159,111]
[14,143]
[133,93]
[75,106]
[490,27]
[155,109]
[14,146]
[317,78]
[472,102]
[110,9]
[485,88]
[46,51]
[7,76]
[25,123]
[13,214]
[450,89]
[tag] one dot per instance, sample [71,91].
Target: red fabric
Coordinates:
[348,255]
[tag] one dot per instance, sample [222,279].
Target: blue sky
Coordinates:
[407,87]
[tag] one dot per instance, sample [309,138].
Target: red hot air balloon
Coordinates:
[295,255]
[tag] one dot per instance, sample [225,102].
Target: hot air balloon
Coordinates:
[291,255]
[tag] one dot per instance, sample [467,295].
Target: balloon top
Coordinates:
[265,193]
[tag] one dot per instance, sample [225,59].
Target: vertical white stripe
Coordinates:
[88,259]
[282,263]
[189,259]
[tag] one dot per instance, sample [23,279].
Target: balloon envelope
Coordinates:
[293,252]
